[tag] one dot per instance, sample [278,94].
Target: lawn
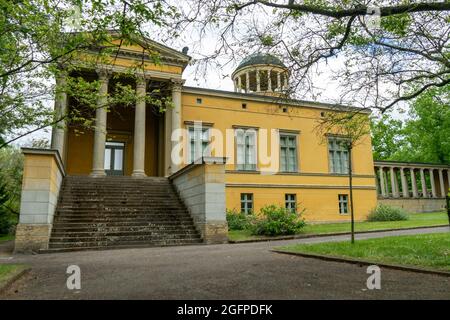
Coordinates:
[8,271]
[415,220]
[425,250]
[6,237]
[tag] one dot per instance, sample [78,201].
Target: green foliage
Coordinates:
[11,167]
[387,213]
[238,220]
[276,220]
[36,37]
[422,137]
[397,25]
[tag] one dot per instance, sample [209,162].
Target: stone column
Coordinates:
[405,190]
[247,82]
[285,81]
[167,141]
[59,129]
[269,81]
[394,185]
[424,183]
[176,116]
[382,181]
[433,185]
[98,159]
[278,81]
[139,129]
[441,182]
[239,84]
[258,82]
[414,183]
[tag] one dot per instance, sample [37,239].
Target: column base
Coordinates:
[139,174]
[214,232]
[98,173]
[32,237]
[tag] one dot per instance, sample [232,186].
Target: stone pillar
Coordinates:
[239,84]
[278,81]
[433,184]
[405,191]
[414,183]
[269,81]
[285,81]
[139,129]
[258,81]
[98,159]
[167,141]
[441,183]
[394,185]
[382,181]
[59,129]
[247,82]
[424,183]
[176,117]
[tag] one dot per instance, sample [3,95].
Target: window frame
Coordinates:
[245,130]
[331,168]
[188,147]
[288,202]
[246,201]
[287,134]
[342,202]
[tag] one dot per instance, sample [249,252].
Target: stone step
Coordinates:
[122,236]
[56,248]
[113,224]
[156,227]
[102,241]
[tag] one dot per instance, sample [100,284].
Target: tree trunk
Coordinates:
[350,178]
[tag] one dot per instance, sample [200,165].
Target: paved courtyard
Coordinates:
[231,271]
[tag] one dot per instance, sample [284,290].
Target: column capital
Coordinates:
[141,80]
[103,74]
[177,84]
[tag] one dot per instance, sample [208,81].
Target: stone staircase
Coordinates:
[120,212]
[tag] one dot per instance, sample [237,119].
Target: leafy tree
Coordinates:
[37,37]
[354,127]
[387,137]
[383,63]
[422,137]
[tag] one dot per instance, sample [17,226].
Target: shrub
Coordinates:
[387,213]
[276,220]
[238,220]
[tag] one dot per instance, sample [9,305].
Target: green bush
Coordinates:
[276,220]
[387,213]
[238,220]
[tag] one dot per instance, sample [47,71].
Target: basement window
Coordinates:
[244,106]
[285,109]
[199,100]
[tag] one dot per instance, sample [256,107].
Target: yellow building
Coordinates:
[272,150]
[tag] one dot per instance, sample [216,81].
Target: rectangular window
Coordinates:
[246,149]
[288,153]
[198,143]
[291,202]
[338,155]
[247,203]
[343,203]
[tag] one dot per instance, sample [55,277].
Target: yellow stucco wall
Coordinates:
[317,190]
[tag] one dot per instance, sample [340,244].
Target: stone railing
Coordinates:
[201,186]
[43,173]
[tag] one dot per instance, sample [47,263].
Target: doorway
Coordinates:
[114,155]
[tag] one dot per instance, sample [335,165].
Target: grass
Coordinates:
[6,237]
[415,220]
[425,250]
[8,271]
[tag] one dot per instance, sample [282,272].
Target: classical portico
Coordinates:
[123,140]
[405,181]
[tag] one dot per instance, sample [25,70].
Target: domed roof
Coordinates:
[260,58]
